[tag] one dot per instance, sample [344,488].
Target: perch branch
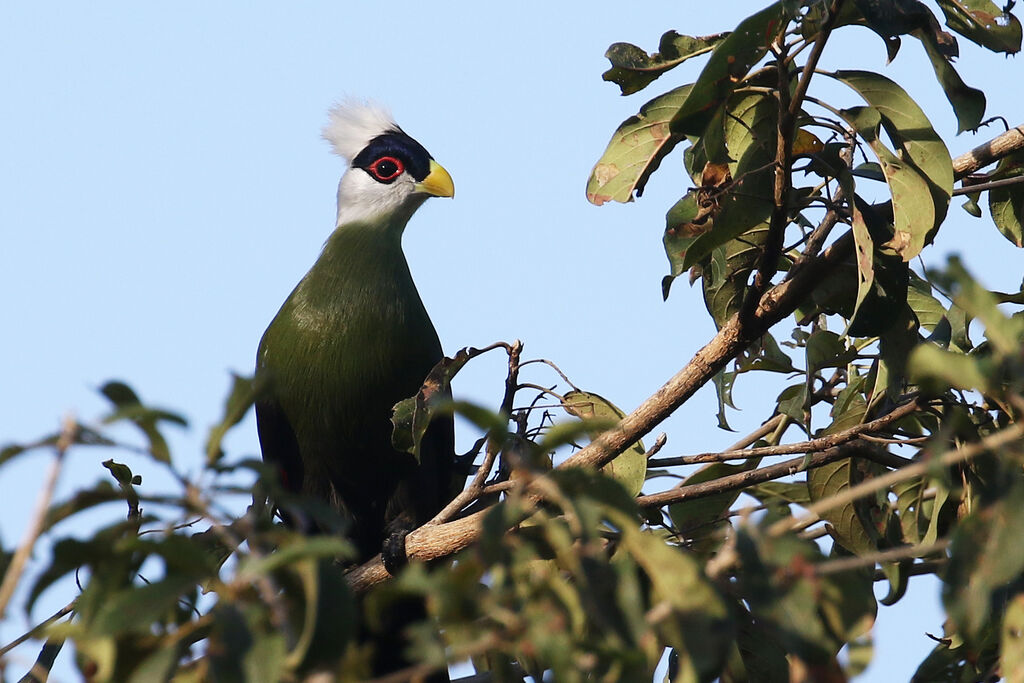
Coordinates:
[989,152]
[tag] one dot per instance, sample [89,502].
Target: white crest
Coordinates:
[353,123]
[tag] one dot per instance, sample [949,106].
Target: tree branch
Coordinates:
[989,153]
[809,446]
[744,479]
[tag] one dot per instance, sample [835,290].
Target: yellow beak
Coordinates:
[437,183]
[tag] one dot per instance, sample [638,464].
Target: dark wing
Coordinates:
[281,451]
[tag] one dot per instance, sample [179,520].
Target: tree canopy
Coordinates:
[578,547]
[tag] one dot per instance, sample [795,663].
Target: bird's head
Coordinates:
[389,174]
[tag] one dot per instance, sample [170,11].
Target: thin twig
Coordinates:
[659,443]
[38,628]
[991,185]
[845,564]
[741,480]
[476,487]
[809,446]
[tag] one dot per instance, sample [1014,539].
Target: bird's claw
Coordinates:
[393,552]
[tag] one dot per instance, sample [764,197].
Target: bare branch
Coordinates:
[809,446]
[38,628]
[744,479]
[982,186]
[845,564]
[989,153]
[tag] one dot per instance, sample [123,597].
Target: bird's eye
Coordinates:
[386,169]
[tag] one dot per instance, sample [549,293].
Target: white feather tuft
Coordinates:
[353,123]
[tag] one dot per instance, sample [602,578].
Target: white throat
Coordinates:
[361,199]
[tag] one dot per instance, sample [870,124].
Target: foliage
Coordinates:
[903,389]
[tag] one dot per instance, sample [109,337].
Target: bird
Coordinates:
[353,339]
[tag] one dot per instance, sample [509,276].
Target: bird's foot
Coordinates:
[393,552]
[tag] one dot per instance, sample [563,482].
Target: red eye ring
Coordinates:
[386,169]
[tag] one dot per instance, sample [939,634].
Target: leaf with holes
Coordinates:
[636,150]
[633,69]
[982,22]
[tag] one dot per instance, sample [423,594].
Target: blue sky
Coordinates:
[164,185]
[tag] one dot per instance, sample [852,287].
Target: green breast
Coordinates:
[351,340]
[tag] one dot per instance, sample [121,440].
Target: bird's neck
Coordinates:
[362,252]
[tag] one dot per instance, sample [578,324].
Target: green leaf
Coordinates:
[825,349]
[69,554]
[300,548]
[811,616]
[684,223]
[745,204]
[792,400]
[762,657]
[926,307]
[629,467]
[1004,333]
[913,211]
[764,354]
[888,18]
[847,522]
[699,624]
[412,416]
[725,277]
[83,499]
[138,608]
[982,22]
[702,520]
[723,382]
[725,70]
[781,492]
[240,399]
[633,69]
[864,256]
[986,562]
[1006,204]
[968,103]
[936,370]
[1012,641]
[129,407]
[636,150]
[882,297]
[923,169]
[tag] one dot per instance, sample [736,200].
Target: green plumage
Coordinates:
[350,341]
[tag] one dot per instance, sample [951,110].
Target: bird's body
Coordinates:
[351,341]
